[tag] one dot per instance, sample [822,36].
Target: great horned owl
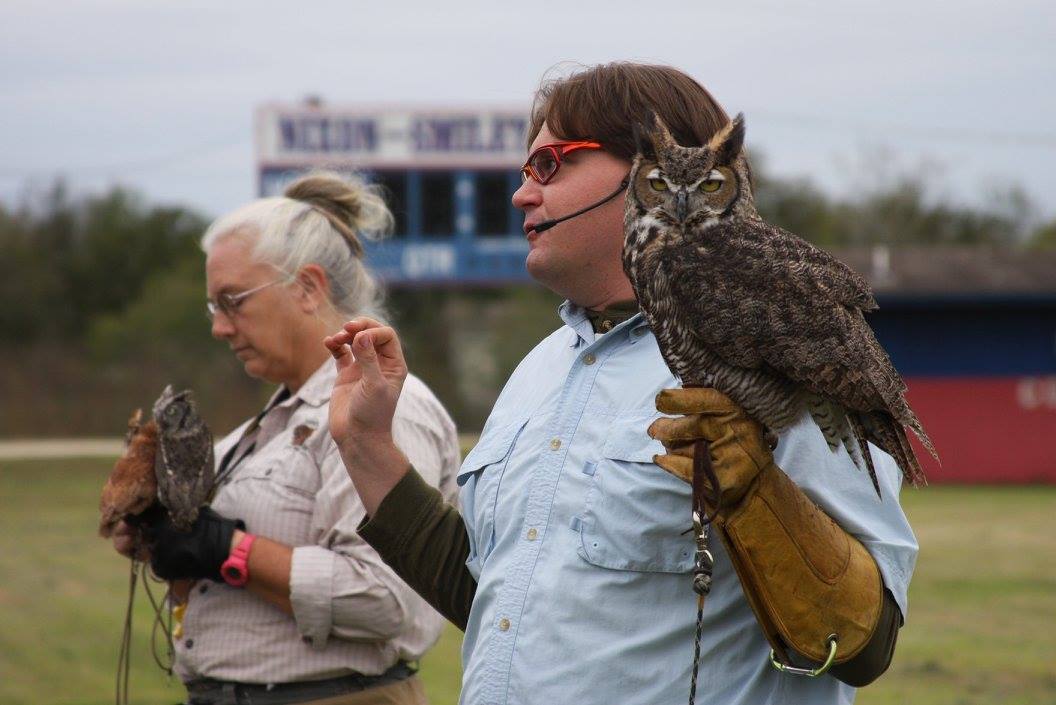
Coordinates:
[183,465]
[754,311]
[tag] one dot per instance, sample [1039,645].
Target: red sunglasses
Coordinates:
[544,162]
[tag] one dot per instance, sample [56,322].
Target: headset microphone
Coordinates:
[547,224]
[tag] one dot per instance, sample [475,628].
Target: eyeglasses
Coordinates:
[544,162]
[228,304]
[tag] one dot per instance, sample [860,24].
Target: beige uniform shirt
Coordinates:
[287,482]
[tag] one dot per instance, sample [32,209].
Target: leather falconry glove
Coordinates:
[197,553]
[805,577]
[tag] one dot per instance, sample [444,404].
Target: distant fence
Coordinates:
[44,448]
[33,448]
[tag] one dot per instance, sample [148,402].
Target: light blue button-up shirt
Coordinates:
[580,549]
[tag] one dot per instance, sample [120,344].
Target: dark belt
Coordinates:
[213,692]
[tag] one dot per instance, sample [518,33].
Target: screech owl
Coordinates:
[131,487]
[754,311]
[183,465]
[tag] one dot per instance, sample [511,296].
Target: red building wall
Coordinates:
[987,429]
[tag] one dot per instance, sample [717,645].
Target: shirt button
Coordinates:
[189,643]
[504,625]
[555,444]
[532,533]
[589,359]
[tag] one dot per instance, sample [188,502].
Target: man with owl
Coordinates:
[570,565]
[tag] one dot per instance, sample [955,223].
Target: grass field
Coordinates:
[981,628]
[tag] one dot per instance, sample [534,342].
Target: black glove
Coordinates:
[197,553]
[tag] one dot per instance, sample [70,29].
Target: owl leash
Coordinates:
[139,571]
[124,655]
[704,562]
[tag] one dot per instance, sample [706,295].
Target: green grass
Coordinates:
[981,628]
[982,604]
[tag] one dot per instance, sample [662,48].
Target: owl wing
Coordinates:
[204,460]
[804,266]
[784,305]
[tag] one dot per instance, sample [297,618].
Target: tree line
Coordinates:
[102,300]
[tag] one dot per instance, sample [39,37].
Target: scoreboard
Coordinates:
[447,174]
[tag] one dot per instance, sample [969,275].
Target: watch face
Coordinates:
[234,574]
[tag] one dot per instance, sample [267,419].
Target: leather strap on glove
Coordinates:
[804,576]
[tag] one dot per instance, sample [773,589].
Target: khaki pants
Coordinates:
[409,691]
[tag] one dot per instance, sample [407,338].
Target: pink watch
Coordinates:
[235,570]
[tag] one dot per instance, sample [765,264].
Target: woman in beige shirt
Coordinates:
[311,613]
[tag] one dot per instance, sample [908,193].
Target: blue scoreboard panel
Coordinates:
[447,175]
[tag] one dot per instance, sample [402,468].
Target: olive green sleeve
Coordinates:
[424,540]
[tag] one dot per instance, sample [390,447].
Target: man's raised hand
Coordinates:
[370,375]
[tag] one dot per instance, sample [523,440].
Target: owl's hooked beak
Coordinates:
[681,204]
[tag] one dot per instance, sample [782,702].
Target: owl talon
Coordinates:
[771,439]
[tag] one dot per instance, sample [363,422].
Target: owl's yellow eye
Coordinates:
[658,184]
[711,185]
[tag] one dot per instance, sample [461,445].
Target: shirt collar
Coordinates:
[612,315]
[576,318]
[314,392]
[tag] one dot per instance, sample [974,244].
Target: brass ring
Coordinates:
[808,672]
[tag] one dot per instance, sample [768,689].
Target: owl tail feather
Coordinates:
[912,471]
[832,421]
[914,424]
[889,434]
[858,429]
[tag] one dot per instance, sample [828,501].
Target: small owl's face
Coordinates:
[175,412]
[689,185]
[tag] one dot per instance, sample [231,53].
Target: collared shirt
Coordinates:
[580,547]
[351,613]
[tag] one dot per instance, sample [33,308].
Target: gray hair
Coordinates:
[319,220]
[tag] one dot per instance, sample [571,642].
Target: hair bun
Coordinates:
[350,205]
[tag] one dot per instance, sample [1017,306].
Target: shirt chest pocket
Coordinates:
[636,515]
[480,479]
[290,473]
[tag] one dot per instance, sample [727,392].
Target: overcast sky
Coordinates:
[159,95]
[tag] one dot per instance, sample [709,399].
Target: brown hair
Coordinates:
[603,103]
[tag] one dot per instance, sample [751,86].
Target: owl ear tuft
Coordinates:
[661,136]
[727,143]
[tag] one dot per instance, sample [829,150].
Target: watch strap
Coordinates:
[235,570]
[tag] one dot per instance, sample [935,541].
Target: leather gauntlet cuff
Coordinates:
[803,575]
